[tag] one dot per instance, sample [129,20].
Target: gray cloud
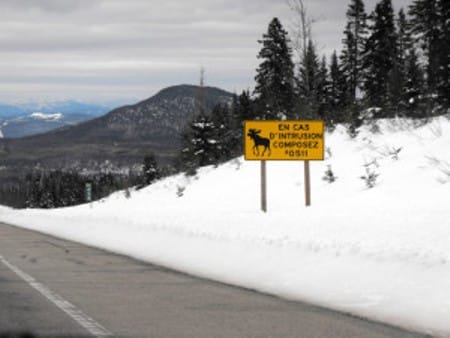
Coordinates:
[131,48]
[58,6]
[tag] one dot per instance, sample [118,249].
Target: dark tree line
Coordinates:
[57,188]
[390,65]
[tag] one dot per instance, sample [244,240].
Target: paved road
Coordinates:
[57,288]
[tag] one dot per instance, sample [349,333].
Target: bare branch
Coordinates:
[300,26]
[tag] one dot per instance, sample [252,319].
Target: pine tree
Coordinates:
[404,48]
[150,170]
[245,106]
[323,92]
[242,109]
[414,85]
[224,136]
[444,61]
[404,40]
[308,83]
[354,43]
[274,90]
[198,144]
[380,57]
[337,91]
[425,25]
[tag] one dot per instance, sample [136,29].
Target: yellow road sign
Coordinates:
[284,140]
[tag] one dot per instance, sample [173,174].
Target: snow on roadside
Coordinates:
[381,253]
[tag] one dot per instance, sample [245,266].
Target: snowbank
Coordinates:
[381,253]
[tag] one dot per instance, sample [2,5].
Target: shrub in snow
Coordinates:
[180,190]
[374,128]
[328,152]
[352,131]
[393,153]
[373,163]
[370,178]
[238,163]
[329,175]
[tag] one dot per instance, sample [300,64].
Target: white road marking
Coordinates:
[81,318]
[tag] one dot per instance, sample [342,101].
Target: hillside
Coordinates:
[382,253]
[121,138]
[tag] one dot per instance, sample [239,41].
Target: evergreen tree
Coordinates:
[242,109]
[425,25]
[226,141]
[380,57]
[150,170]
[444,69]
[54,189]
[308,83]
[414,84]
[105,185]
[323,92]
[274,89]
[337,91]
[354,43]
[404,40]
[236,125]
[198,144]
[399,76]
[245,107]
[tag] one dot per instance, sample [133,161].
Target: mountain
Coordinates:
[120,138]
[163,116]
[63,107]
[67,108]
[37,123]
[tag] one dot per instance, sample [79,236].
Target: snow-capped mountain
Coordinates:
[25,119]
[37,123]
[47,117]
[62,107]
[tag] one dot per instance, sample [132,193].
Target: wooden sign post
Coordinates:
[307,184]
[284,140]
[263,186]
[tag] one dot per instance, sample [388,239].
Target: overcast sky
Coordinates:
[127,50]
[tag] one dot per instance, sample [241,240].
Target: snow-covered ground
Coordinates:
[381,253]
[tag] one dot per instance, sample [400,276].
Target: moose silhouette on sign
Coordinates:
[259,141]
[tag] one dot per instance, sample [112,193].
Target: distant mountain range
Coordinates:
[36,118]
[120,138]
[64,107]
[37,123]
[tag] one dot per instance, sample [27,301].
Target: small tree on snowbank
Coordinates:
[370,178]
[329,175]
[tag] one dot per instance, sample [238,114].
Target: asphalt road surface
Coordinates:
[55,288]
